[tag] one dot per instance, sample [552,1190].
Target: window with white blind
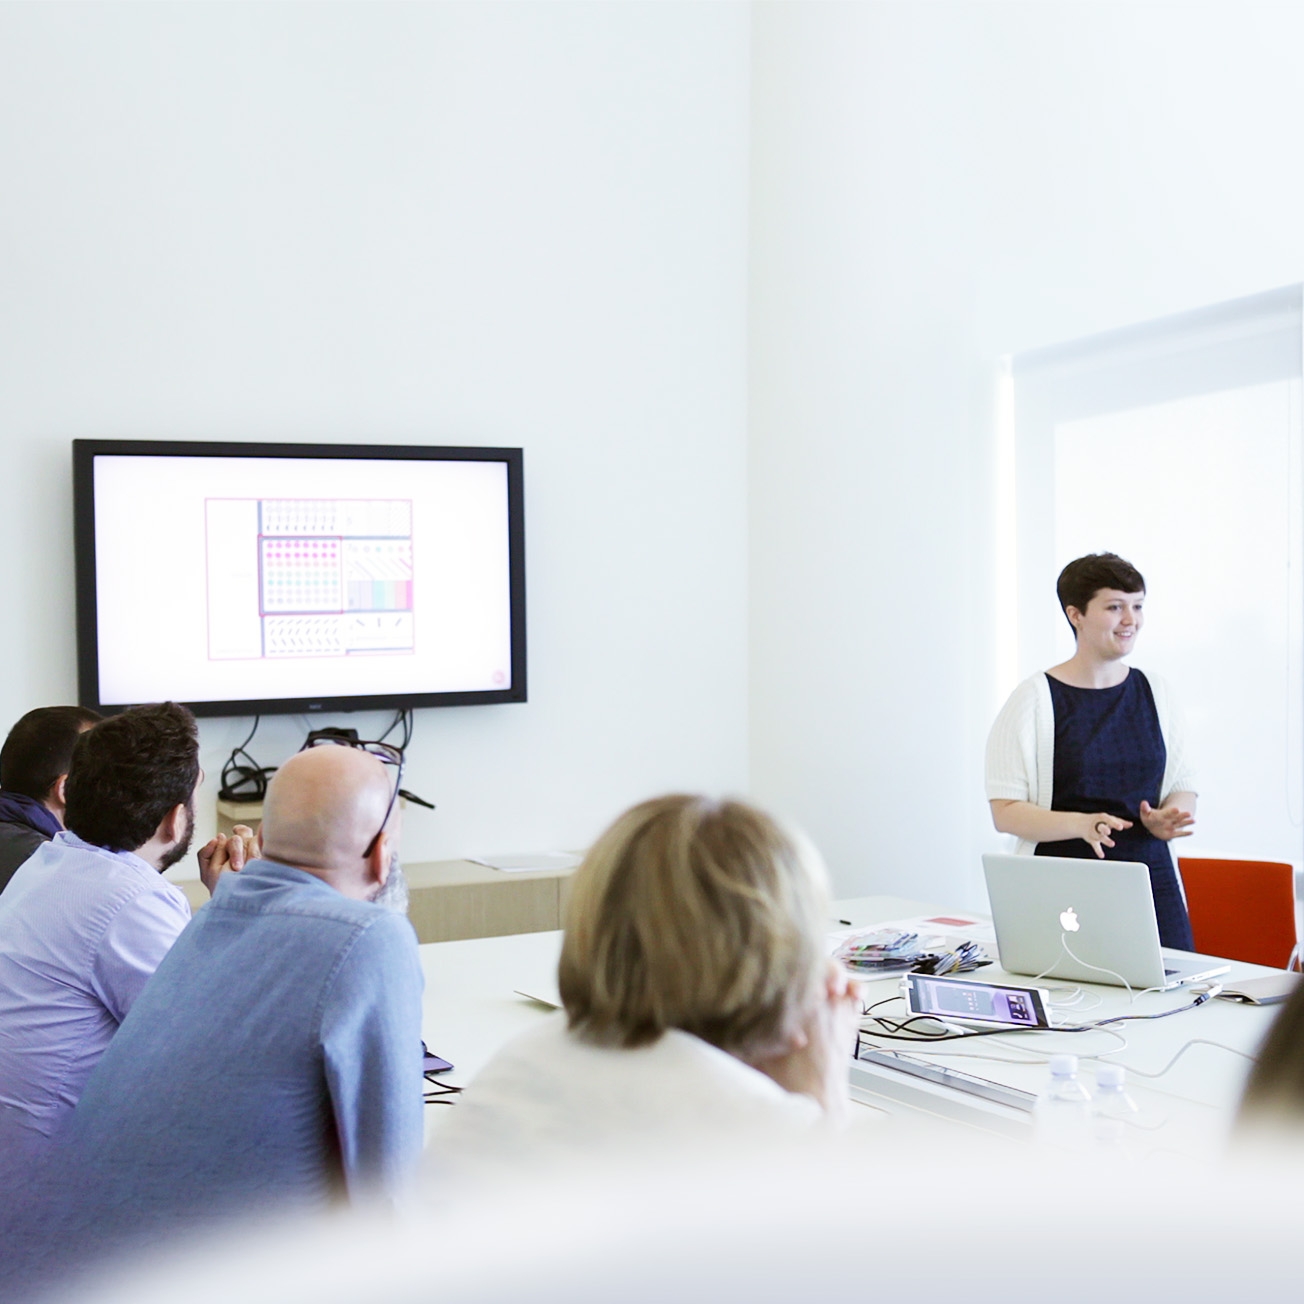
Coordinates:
[1177,444]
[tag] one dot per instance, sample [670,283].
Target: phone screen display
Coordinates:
[1019,1007]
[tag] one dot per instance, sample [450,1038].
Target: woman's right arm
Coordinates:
[1012,779]
[1033,824]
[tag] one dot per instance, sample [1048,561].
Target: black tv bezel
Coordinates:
[84,453]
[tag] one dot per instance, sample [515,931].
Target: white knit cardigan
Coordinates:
[1021,747]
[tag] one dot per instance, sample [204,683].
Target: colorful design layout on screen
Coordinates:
[334,576]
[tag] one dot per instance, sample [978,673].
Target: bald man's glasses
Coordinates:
[384,753]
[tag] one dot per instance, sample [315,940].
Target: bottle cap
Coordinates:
[1063,1066]
[1110,1075]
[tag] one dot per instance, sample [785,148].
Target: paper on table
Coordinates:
[965,927]
[544,994]
[535,860]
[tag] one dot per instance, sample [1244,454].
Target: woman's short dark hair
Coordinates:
[1084,577]
[38,750]
[129,772]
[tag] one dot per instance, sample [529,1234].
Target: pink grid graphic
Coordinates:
[334,577]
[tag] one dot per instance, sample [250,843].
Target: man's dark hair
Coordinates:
[39,748]
[1082,579]
[129,772]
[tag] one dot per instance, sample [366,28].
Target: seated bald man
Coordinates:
[275,1056]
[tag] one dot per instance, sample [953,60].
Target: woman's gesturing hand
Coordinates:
[1098,827]
[1168,822]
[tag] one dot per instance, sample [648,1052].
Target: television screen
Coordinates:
[261,578]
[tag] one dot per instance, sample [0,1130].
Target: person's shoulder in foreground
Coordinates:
[700,1005]
[33,774]
[85,921]
[550,1095]
[286,1023]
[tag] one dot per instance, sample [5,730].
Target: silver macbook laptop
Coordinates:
[1088,920]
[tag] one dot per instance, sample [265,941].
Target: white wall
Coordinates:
[935,185]
[442,223]
[527,223]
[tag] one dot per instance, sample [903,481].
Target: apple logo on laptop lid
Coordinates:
[1069,920]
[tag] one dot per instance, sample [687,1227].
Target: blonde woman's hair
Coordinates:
[694,914]
[1274,1093]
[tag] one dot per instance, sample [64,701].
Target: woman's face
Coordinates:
[1110,624]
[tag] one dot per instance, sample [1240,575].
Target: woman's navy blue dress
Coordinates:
[1110,756]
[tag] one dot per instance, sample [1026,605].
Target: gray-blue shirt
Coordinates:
[275,1055]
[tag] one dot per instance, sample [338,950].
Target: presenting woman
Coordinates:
[1090,754]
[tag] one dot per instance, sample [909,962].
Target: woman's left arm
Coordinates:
[1174,819]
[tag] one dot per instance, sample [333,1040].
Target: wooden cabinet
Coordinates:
[450,899]
[453,899]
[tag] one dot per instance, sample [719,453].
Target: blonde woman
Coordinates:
[1272,1106]
[699,1000]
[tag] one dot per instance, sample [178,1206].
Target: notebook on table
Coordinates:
[1271,989]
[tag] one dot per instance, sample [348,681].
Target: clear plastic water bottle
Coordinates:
[1112,1100]
[1062,1115]
[1113,1113]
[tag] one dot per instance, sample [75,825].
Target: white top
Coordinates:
[1021,746]
[549,1098]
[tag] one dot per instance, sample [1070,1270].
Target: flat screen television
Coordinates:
[248,579]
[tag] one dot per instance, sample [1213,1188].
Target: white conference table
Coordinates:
[1186,1109]
[472,1007]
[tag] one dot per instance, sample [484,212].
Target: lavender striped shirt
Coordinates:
[82,929]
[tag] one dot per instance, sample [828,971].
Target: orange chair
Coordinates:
[1241,909]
